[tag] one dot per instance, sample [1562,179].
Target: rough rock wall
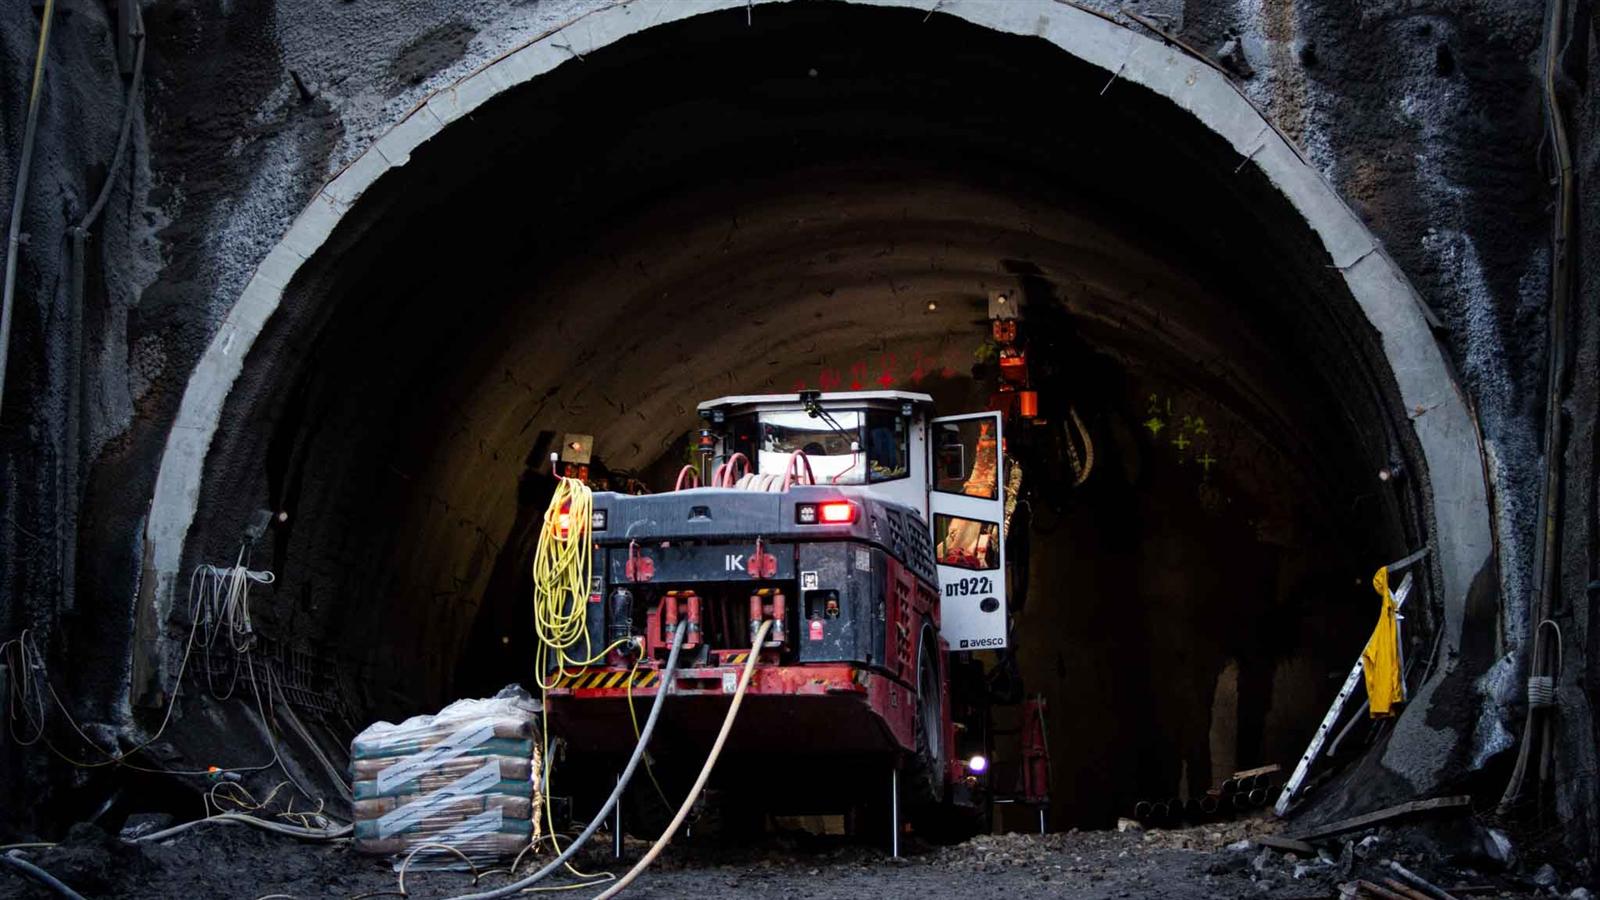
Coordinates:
[1425,115]
[1576,771]
[63,407]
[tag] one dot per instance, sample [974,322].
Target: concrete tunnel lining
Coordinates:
[1440,421]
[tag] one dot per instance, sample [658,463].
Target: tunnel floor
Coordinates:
[1206,861]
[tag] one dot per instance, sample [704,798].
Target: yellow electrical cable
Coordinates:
[38,59]
[633,714]
[563,565]
[549,817]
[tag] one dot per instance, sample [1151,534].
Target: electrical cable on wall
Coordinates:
[20,195]
[1537,725]
[219,604]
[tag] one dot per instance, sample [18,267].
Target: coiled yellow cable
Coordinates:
[563,566]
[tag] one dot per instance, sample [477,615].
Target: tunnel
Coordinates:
[825,197]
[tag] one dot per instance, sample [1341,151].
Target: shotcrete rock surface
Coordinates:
[1424,115]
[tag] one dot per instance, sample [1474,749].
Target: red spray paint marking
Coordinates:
[924,367]
[829,379]
[886,371]
[858,372]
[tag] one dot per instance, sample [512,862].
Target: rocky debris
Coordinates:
[1213,835]
[1182,864]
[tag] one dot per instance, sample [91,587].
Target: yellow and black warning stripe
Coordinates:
[609,678]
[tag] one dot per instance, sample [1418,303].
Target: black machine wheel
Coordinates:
[926,783]
[934,814]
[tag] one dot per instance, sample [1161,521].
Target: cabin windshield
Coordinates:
[835,458]
[874,444]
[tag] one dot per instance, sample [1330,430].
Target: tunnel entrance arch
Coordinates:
[1438,437]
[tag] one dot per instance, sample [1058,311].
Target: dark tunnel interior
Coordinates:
[715,207]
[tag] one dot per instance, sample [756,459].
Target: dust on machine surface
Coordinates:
[867,535]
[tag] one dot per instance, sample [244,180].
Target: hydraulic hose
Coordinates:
[13,232]
[705,770]
[616,793]
[67,535]
[30,870]
[128,109]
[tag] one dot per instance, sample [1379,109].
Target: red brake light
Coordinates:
[838,512]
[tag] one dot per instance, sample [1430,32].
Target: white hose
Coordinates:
[705,770]
[616,793]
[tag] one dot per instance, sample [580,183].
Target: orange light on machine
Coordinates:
[839,512]
[1028,404]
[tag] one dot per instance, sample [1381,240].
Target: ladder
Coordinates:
[1292,786]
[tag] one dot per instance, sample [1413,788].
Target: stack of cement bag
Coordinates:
[464,779]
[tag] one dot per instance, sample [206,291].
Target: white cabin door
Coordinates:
[966,497]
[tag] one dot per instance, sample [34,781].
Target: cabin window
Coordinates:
[888,450]
[834,453]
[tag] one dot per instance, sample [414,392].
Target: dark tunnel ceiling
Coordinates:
[713,208]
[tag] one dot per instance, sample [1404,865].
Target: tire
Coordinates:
[926,782]
[934,817]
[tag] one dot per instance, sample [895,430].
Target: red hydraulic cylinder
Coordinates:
[777,616]
[669,617]
[692,639]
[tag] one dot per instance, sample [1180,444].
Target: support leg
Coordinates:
[616,828]
[894,813]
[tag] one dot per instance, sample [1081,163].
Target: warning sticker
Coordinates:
[816,629]
[808,581]
[863,559]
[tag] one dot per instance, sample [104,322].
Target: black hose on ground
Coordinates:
[29,870]
[616,793]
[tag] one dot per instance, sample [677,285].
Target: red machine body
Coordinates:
[828,537]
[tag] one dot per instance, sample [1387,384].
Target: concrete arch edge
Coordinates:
[1441,419]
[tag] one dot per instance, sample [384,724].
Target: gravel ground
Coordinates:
[1201,862]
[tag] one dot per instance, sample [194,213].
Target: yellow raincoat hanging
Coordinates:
[1381,658]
